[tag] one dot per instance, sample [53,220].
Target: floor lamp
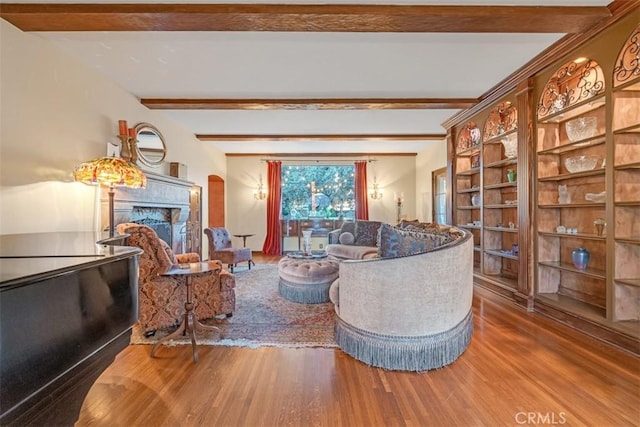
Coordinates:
[111,172]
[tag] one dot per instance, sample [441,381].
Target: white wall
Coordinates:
[245,215]
[433,157]
[56,113]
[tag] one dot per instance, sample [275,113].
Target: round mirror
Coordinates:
[150,145]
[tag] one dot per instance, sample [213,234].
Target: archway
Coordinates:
[216,201]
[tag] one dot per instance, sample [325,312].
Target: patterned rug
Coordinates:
[262,318]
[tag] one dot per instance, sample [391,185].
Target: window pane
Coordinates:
[318,192]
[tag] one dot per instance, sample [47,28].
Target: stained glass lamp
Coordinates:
[111,172]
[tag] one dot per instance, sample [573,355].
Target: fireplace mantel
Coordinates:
[161,192]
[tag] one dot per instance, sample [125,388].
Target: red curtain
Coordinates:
[360,185]
[273,242]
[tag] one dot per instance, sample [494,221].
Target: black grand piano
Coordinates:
[67,304]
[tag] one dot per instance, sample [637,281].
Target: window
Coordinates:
[318,192]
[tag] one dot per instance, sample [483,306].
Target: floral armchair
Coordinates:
[220,248]
[161,298]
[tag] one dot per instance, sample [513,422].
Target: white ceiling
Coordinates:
[308,65]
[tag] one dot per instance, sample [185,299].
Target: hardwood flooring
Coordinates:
[520,369]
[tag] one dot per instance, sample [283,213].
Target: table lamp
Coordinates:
[111,172]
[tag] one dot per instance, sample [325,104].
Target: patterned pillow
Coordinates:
[395,241]
[349,227]
[405,223]
[367,233]
[445,231]
[346,238]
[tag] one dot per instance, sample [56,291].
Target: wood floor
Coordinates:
[520,369]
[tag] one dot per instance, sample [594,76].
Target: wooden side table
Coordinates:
[190,323]
[244,238]
[244,243]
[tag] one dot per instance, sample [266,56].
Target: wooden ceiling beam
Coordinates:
[323,138]
[315,156]
[306,18]
[310,104]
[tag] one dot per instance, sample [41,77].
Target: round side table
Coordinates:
[190,324]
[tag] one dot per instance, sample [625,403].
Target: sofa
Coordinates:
[354,240]
[409,308]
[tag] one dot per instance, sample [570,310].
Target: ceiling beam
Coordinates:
[323,138]
[310,104]
[315,156]
[297,17]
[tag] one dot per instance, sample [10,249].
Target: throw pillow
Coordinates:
[396,241]
[405,223]
[367,233]
[445,231]
[346,238]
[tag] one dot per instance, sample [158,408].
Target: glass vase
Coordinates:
[306,242]
[580,257]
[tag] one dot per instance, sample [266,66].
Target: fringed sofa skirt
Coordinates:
[405,353]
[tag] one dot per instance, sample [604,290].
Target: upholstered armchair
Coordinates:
[161,298]
[220,248]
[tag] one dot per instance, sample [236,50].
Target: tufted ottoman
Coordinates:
[307,280]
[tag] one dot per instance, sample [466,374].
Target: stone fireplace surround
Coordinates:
[163,205]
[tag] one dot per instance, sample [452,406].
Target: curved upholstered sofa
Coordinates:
[410,313]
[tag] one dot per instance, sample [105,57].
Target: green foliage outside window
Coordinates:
[318,192]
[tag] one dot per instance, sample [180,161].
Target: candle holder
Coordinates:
[133,145]
[399,201]
[125,150]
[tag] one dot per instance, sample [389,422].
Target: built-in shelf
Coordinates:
[629,203]
[467,172]
[468,226]
[469,190]
[498,138]
[566,303]
[585,236]
[501,185]
[501,206]
[631,240]
[565,176]
[586,106]
[629,282]
[572,205]
[497,252]
[629,129]
[468,207]
[591,272]
[501,163]
[571,146]
[502,229]
[625,166]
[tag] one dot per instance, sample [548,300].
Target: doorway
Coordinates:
[439,191]
[215,205]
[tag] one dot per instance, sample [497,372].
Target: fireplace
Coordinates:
[157,218]
[163,205]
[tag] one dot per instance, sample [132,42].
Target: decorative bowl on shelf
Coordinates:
[596,197]
[510,143]
[581,128]
[580,163]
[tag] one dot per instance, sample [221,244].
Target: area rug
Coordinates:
[262,318]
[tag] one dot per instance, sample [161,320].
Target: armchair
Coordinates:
[220,248]
[161,298]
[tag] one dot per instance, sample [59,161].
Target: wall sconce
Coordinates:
[376,192]
[260,193]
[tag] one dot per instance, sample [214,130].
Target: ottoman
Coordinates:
[307,281]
